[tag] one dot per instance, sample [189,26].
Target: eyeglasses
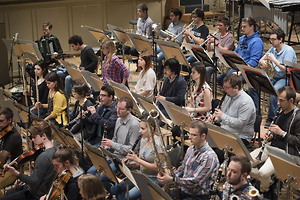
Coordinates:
[226,88]
[103,95]
[272,39]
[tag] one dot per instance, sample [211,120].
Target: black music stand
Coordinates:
[230,58]
[123,91]
[294,78]
[121,36]
[287,168]
[149,190]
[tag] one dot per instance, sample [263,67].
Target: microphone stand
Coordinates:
[10,67]
[154,47]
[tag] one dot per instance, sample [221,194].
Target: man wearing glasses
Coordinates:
[238,112]
[276,55]
[197,172]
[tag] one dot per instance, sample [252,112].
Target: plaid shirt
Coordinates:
[197,171]
[113,70]
[242,192]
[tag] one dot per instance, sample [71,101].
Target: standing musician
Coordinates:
[104,114]
[10,145]
[35,185]
[144,22]
[40,69]
[198,33]
[88,58]
[237,184]
[146,160]
[174,86]
[200,105]
[91,188]
[238,113]
[197,172]
[64,162]
[285,135]
[277,54]
[250,47]
[125,134]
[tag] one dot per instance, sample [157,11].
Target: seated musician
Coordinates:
[276,55]
[198,33]
[35,185]
[88,58]
[146,161]
[81,92]
[198,170]
[125,134]
[147,77]
[91,187]
[238,113]
[10,145]
[237,184]
[113,68]
[174,86]
[144,22]
[105,116]
[285,135]
[250,47]
[40,68]
[174,27]
[225,41]
[200,105]
[57,102]
[64,162]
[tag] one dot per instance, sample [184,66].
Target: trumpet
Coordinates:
[208,38]
[253,193]
[188,26]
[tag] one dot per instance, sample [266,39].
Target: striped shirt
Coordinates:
[113,70]
[197,171]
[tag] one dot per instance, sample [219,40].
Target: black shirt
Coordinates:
[199,32]
[12,142]
[89,60]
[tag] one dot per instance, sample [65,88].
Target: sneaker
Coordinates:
[268,123]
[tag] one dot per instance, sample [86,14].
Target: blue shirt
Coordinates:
[286,53]
[251,49]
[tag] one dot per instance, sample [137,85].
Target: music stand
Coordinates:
[96,34]
[172,50]
[149,190]
[281,162]
[90,77]
[230,58]
[99,161]
[31,56]
[123,91]
[98,83]
[141,43]
[75,73]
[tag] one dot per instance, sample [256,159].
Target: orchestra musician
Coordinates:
[250,47]
[64,162]
[113,68]
[125,134]
[198,33]
[78,124]
[10,145]
[238,113]
[147,77]
[91,188]
[285,135]
[88,58]
[197,172]
[35,185]
[144,21]
[201,100]
[277,54]
[237,184]
[57,102]
[145,161]
[175,27]
[104,114]
[40,69]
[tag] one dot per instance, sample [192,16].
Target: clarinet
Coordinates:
[268,135]
[219,107]
[134,146]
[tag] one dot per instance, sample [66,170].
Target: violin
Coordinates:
[4,131]
[58,185]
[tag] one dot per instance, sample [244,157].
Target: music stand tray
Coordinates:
[141,43]
[230,58]
[120,35]
[149,190]
[228,140]
[172,50]
[96,34]
[200,54]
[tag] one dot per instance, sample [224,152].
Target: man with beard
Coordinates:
[237,183]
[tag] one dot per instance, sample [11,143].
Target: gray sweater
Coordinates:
[41,178]
[239,115]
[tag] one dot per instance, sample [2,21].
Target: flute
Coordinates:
[37,92]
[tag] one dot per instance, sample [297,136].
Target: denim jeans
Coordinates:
[191,59]
[120,190]
[43,111]
[68,86]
